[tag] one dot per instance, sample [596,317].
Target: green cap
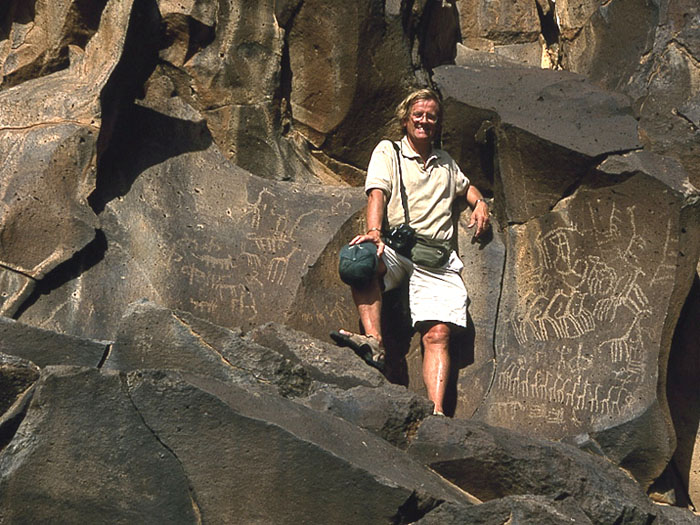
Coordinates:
[358,263]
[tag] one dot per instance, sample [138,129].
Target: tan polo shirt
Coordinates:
[430,189]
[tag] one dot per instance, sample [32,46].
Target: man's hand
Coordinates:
[480,217]
[371,236]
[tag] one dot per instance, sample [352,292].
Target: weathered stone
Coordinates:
[283,462]
[440,34]
[324,362]
[17,376]
[37,42]
[48,139]
[338,85]
[590,298]
[83,454]
[151,336]
[607,42]
[572,15]
[513,510]
[491,463]
[676,516]
[197,234]
[44,347]
[499,22]
[684,394]
[553,130]
[650,51]
[389,411]
[15,288]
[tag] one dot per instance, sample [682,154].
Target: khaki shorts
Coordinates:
[434,294]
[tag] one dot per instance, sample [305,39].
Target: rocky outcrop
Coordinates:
[49,130]
[175,191]
[193,439]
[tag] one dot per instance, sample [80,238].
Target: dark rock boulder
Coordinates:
[325,363]
[491,463]
[514,510]
[389,411]
[306,467]
[44,347]
[272,357]
[82,454]
[549,135]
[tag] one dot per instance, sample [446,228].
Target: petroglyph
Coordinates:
[576,347]
[557,388]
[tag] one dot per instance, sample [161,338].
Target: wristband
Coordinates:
[480,200]
[373,230]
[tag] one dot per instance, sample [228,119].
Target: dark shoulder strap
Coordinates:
[402,188]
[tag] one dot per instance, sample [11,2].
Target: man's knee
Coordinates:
[435,334]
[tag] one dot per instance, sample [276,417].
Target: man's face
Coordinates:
[421,124]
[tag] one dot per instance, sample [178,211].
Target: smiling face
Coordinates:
[421,124]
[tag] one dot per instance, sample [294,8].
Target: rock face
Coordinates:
[48,138]
[178,178]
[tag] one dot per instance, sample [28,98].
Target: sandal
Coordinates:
[366,346]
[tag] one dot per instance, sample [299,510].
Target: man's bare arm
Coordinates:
[375,216]
[480,215]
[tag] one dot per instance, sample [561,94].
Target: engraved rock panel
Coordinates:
[195,233]
[591,292]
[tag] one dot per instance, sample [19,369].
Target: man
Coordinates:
[437,296]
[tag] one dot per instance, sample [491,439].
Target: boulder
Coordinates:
[305,467]
[17,377]
[549,135]
[491,463]
[49,129]
[195,233]
[510,29]
[44,347]
[340,85]
[83,454]
[325,363]
[271,358]
[588,309]
[41,34]
[514,510]
[650,51]
[154,337]
[389,411]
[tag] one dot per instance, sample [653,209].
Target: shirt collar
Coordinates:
[408,152]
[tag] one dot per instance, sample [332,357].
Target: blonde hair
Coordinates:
[404,108]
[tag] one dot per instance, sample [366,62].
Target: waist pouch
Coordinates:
[432,253]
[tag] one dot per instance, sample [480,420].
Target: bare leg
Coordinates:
[369,305]
[436,362]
